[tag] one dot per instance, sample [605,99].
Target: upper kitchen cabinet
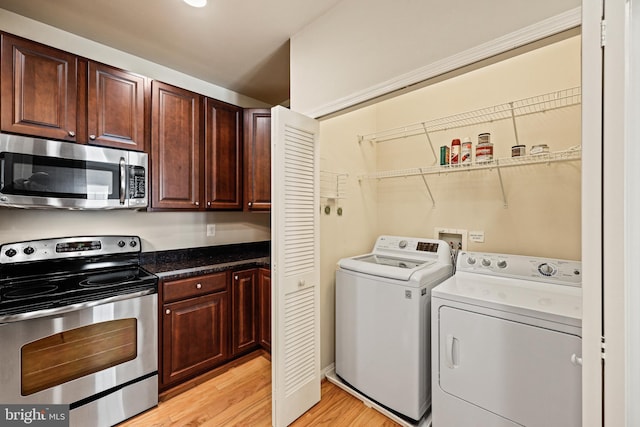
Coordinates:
[115,107]
[52,94]
[223,155]
[39,90]
[175,147]
[257,160]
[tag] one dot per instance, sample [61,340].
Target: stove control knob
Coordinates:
[133,243]
[28,250]
[121,243]
[502,264]
[11,252]
[486,262]
[402,244]
[471,260]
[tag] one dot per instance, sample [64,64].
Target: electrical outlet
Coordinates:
[211,229]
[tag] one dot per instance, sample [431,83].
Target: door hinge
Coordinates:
[603,33]
[603,348]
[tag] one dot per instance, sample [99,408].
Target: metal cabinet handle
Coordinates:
[250,204]
[198,285]
[197,203]
[301,283]
[72,133]
[92,137]
[235,277]
[208,203]
[167,311]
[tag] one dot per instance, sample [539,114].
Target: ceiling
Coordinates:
[241,45]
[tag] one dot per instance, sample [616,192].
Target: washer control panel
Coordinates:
[564,272]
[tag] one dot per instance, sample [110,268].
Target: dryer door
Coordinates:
[521,372]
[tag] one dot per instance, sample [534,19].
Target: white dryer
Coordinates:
[506,343]
[383,321]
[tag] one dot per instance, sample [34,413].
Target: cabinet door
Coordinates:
[257,160]
[194,336]
[175,147]
[223,159]
[264,308]
[244,334]
[115,108]
[39,90]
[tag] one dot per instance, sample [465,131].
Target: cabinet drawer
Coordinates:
[193,287]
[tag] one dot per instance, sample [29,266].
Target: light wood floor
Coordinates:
[241,396]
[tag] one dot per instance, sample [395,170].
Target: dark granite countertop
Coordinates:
[183,263]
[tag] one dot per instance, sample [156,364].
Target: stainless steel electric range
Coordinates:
[78,326]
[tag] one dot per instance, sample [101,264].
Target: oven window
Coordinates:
[30,175]
[72,354]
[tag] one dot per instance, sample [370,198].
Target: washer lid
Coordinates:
[556,303]
[384,266]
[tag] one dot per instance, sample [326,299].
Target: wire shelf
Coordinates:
[333,185]
[510,110]
[532,159]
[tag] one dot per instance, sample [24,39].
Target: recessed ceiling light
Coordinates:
[196,3]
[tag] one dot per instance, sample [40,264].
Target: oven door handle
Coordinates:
[11,318]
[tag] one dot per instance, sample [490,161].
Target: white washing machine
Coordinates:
[506,343]
[383,321]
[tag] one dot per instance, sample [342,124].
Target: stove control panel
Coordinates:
[67,247]
[559,271]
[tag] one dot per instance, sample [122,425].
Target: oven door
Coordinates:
[101,360]
[37,173]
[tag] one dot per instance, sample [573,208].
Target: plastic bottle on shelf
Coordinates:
[455,152]
[484,149]
[465,151]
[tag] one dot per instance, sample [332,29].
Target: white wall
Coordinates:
[365,48]
[158,230]
[543,214]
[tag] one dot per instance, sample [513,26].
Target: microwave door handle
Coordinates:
[123,182]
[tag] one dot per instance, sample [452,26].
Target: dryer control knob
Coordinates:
[486,262]
[502,264]
[546,269]
[402,244]
[471,260]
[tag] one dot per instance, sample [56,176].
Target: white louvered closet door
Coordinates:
[295,269]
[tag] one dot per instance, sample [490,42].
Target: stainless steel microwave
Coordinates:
[37,173]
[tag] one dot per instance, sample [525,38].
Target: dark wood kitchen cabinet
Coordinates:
[244,306]
[52,94]
[39,90]
[223,155]
[264,308]
[257,159]
[175,147]
[115,107]
[196,151]
[194,325]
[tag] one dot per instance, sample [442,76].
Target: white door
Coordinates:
[295,267]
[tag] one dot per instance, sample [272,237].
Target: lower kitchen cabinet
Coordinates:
[264,308]
[195,330]
[211,319]
[244,318]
